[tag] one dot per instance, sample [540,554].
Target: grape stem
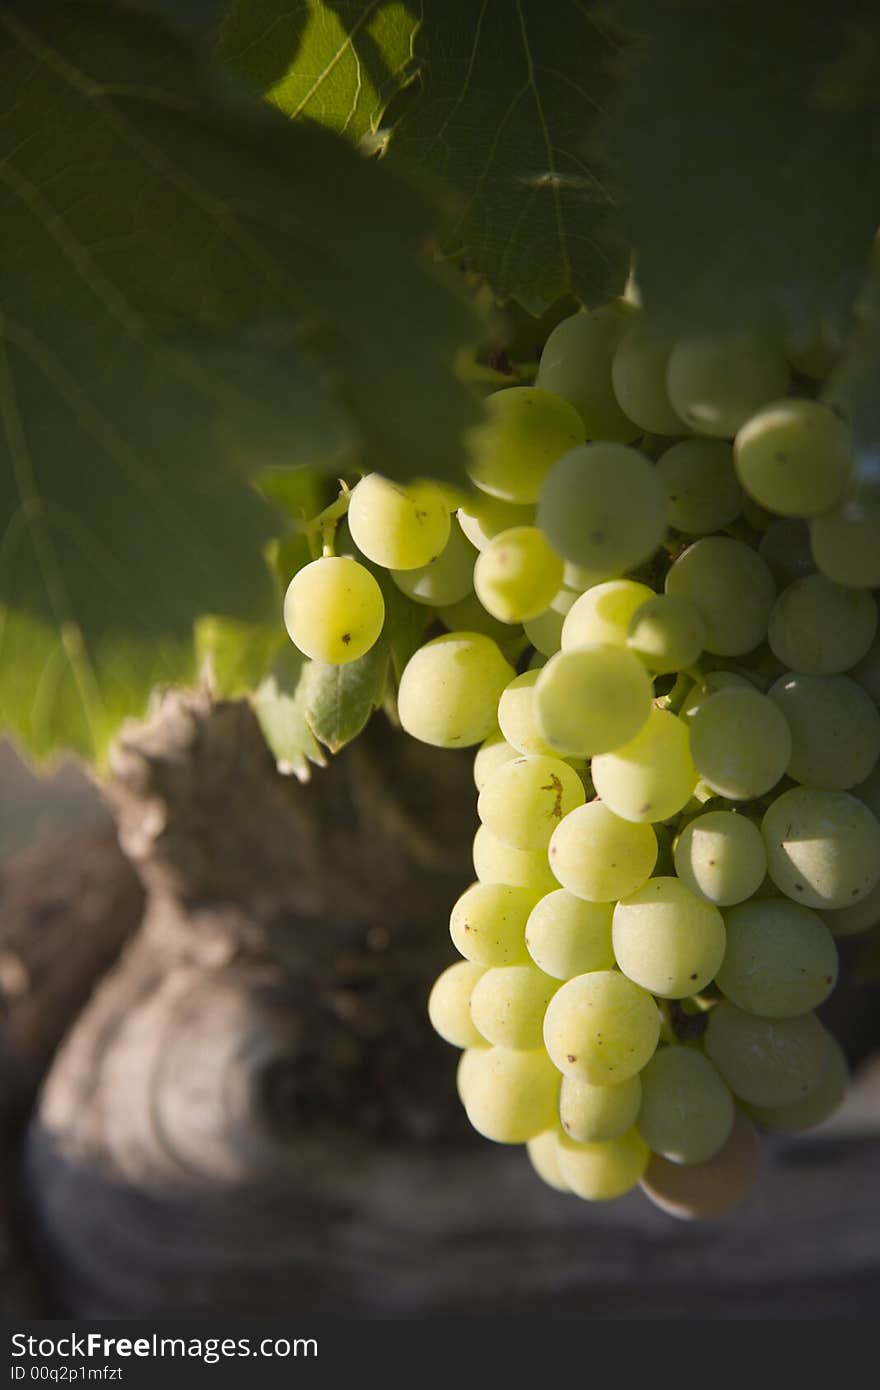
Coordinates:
[321,530]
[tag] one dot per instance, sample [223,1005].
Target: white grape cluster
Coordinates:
[679,792]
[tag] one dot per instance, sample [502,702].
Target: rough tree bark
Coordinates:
[251,1115]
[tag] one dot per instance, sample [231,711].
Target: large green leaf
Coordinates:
[190,287]
[508,93]
[747,139]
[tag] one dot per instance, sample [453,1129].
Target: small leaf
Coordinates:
[280,705]
[340,699]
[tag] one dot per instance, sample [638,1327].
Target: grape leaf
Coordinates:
[340,699]
[191,288]
[506,98]
[280,702]
[746,137]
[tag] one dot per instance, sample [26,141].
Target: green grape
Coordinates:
[653,776]
[517,575]
[846,544]
[687,1111]
[811,354]
[638,375]
[518,716]
[594,1114]
[526,431]
[449,1004]
[496,862]
[668,940]
[469,615]
[603,507]
[599,857]
[850,921]
[867,671]
[700,1191]
[545,631]
[525,800]
[709,683]
[488,924]
[543,1152]
[576,364]
[823,848]
[666,633]
[720,856]
[398,527]
[508,1096]
[733,589]
[492,754]
[818,628]
[449,689]
[602,614]
[566,936]
[334,610]
[781,960]
[482,517]
[794,457]
[601,1028]
[716,383]
[785,548]
[825,1099]
[592,700]
[446,580]
[702,491]
[835,729]
[766,1061]
[740,743]
[508,1005]
[601,1172]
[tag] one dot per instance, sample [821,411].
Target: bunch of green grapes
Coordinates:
[653,616]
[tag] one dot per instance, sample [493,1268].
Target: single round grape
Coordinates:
[708,684]
[766,1061]
[482,517]
[716,383]
[823,848]
[525,800]
[720,856]
[653,776]
[781,960]
[740,743]
[445,580]
[598,856]
[818,628]
[492,754]
[846,544]
[601,1028]
[497,862]
[545,631]
[602,614]
[517,574]
[638,375]
[592,700]
[687,1111]
[449,689]
[508,1096]
[603,507]
[700,1191]
[785,548]
[576,364]
[702,491]
[668,940]
[518,716]
[825,1099]
[469,615]
[526,430]
[508,1005]
[850,921]
[594,1114]
[667,634]
[488,923]
[398,527]
[566,936]
[543,1152]
[601,1172]
[334,610]
[449,1004]
[835,729]
[794,457]
[733,589]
